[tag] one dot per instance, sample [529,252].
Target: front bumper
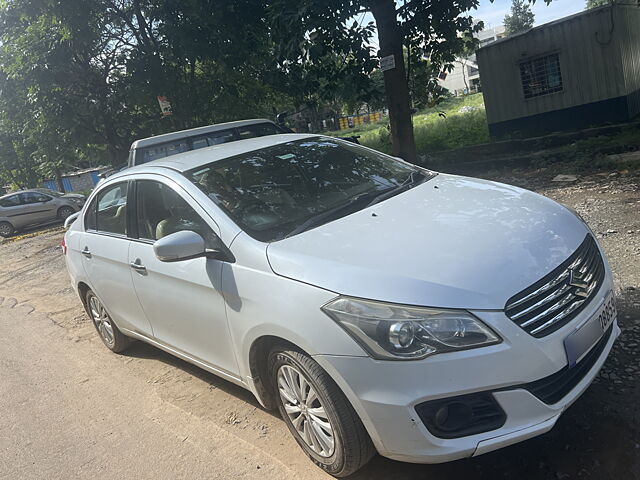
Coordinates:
[385,393]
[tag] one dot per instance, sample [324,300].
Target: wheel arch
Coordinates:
[83,288]
[258,366]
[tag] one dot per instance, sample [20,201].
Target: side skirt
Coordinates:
[187,358]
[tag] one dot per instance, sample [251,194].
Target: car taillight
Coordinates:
[63,245]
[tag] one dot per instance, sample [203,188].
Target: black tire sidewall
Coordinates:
[11,230]
[67,209]
[335,463]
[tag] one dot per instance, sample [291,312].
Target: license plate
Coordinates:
[578,344]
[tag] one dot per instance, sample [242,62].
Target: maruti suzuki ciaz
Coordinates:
[381,307]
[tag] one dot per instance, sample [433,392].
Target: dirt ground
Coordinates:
[151,411]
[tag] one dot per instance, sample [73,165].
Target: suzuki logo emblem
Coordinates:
[575,280]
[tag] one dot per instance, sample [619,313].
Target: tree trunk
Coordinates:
[395,82]
[59,180]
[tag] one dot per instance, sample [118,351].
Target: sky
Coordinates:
[492,14]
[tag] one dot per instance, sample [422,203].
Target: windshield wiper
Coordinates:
[329,215]
[415,178]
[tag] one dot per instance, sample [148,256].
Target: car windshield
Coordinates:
[288,188]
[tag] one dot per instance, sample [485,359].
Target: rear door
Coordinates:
[12,210]
[105,250]
[183,300]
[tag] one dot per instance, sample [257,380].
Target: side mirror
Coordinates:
[44,199]
[178,246]
[186,245]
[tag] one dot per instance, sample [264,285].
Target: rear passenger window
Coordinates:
[165,150]
[90,216]
[12,201]
[111,209]
[257,130]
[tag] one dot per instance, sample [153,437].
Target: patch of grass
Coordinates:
[456,122]
[591,154]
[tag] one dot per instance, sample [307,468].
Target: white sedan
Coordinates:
[379,306]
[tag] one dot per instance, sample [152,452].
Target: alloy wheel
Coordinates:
[305,410]
[5,229]
[102,321]
[66,212]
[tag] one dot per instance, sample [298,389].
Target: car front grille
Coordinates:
[559,297]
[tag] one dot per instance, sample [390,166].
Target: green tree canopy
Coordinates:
[597,3]
[521,17]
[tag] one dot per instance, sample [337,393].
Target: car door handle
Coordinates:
[138,267]
[86,252]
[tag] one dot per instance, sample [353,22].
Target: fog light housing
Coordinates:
[462,416]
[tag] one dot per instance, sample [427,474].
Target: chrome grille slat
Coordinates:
[542,289]
[558,317]
[561,291]
[561,295]
[568,298]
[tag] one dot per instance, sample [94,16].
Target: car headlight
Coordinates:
[78,201]
[398,332]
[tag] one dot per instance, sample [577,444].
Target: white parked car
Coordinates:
[380,306]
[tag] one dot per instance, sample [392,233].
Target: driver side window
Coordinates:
[161,211]
[31,197]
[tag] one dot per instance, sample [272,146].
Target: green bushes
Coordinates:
[434,133]
[457,122]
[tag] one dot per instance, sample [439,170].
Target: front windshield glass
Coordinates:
[291,187]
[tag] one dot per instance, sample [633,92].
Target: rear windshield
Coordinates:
[163,150]
[278,191]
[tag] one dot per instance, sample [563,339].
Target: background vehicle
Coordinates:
[162,146]
[377,305]
[32,207]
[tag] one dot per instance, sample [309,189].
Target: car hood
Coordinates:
[74,195]
[452,242]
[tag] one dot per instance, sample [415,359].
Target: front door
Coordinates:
[183,300]
[105,250]
[38,207]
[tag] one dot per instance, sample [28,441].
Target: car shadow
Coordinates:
[143,350]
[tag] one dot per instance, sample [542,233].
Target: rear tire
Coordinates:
[64,212]
[6,229]
[318,414]
[109,333]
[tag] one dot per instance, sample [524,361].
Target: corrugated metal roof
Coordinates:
[553,23]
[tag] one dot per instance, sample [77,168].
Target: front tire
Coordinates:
[65,212]
[317,413]
[113,338]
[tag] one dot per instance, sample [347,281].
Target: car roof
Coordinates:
[182,162]
[168,137]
